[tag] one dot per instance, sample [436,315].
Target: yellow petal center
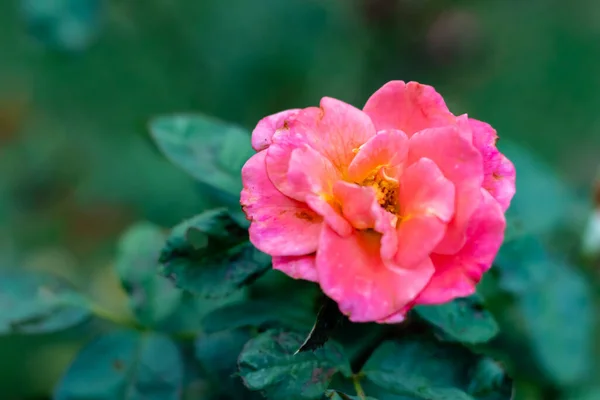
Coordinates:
[386,190]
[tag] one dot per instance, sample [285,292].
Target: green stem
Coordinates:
[357,387]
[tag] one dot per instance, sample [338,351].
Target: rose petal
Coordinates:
[297,267]
[357,203]
[332,216]
[409,107]
[499,173]
[396,317]
[266,127]
[309,172]
[461,163]
[426,206]
[352,273]
[424,190]
[387,149]
[280,226]
[334,130]
[361,209]
[464,127]
[456,275]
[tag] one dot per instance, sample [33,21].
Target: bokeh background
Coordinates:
[79,80]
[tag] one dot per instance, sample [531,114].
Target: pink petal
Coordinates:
[499,173]
[353,274]
[280,226]
[332,216]
[387,149]
[426,206]
[297,267]
[424,190]
[408,107]
[266,127]
[456,275]
[309,173]
[335,130]
[396,317]
[361,209]
[464,127]
[461,163]
[357,203]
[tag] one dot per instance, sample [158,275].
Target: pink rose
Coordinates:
[399,204]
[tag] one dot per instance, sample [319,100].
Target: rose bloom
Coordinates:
[396,205]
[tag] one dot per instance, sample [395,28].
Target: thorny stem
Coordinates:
[357,387]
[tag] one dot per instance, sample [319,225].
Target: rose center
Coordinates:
[386,190]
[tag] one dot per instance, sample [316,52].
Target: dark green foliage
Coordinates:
[33,302]
[217,354]
[337,395]
[462,320]
[270,363]
[82,80]
[259,313]
[210,255]
[328,319]
[124,365]
[429,370]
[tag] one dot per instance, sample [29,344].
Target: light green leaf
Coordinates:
[462,320]
[34,302]
[520,264]
[124,365]
[565,349]
[542,201]
[70,25]
[424,369]
[268,363]
[152,297]
[211,151]
[210,255]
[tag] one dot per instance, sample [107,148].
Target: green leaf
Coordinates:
[34,302]
[124,365]
[210,255]
[259,313]
[462,320]
[487,380]
[329,318]
[542,202]
[520,264]
[151,296]
[337,395]
[211,151]
[424,369]
[548,291]
[565,349]
[70,25]
[218,354]
[268,363]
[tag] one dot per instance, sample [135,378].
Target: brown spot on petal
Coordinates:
[305,216]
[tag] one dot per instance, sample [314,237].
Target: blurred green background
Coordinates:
[79,80]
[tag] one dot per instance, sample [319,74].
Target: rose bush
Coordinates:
[401,203]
